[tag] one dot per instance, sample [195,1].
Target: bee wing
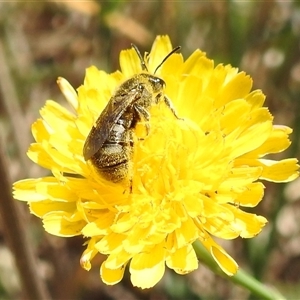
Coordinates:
[115,108]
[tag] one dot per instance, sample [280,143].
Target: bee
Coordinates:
[109,145]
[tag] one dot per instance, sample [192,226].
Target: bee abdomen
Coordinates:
[112,160]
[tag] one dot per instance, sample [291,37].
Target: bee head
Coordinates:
[156,83]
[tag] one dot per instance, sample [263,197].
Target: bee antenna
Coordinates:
[144,67]
[173,51]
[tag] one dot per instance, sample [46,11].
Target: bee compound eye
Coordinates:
[157,83]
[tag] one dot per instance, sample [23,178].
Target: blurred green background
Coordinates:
[43,40]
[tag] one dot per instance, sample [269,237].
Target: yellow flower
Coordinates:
[191,177]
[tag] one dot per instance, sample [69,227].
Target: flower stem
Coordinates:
[241,277]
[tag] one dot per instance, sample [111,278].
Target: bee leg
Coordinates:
[169,103]
[143,114]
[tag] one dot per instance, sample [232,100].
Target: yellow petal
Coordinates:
[148,277]
[68,91]
[100,226]
[279,171]
[88,254]
[225,261]
[160,49]
[119,258]
[237,86]
[130,63]
[251,196]
[248,225]
[277,141]
[147,268]
[63,224]
[111,276]
[183,261]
